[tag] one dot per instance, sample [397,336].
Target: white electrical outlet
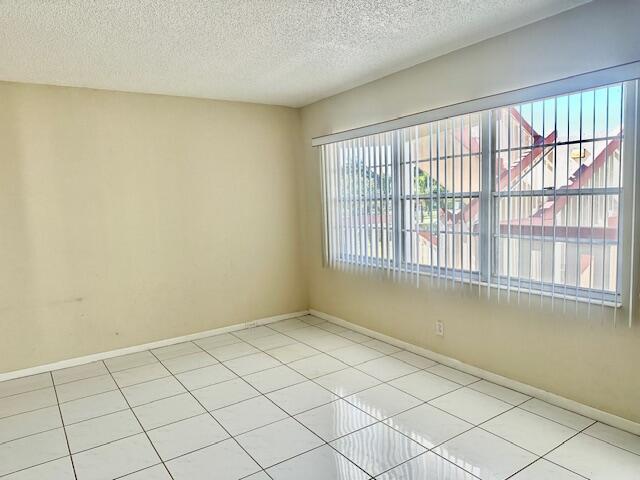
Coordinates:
[440,328]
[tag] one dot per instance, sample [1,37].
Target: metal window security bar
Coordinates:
[532,199]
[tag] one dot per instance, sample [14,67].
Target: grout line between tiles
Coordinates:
[73,466]
[578,432]
[36,465]
[607,442]
[26,391]
[424,453]
[29,411]
[31,435]
[141,426]
[423,402]
[214,419]
[313,433]
[355,406]
[138,471]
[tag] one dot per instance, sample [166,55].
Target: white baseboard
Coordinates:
[72,362]
[552,398]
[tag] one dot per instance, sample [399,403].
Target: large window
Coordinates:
[523,198]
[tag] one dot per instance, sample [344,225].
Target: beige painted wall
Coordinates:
[587,360]
[129,218]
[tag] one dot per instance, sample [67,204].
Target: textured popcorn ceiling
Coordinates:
[288,52]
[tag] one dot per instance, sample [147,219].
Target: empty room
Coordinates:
[319,239]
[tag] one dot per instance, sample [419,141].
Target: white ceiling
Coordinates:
[286,52]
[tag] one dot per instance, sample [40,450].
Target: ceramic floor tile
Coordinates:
[383,401]
[614,436]
[485,455]
[131,360]
[286,325]
[472,406]
[186,436]
[293,439]
[386,368]
[80,372]
[203,377]
[60,469]
[317,365]
[333,328]
[308,333]
[217,341]
[426,386]
[188,362]
[225,393]
[427,466]
[383,347]
[544,470]
[355,354]
[427,425]
[75,392]
[275,378]
[177,350]
[31,451]
[115,459]
[254,332]
[347,382]
[145,373]
[322,463]
[335,420]
[91,407]
[231,351]
[101,430]
[248,414]
[18,426]
[293,352]
[453,374]
[330,342]
[529,431]
[25,384]
[355,336]
[201,464]
[557,414]
[499,392]
[596,459]
[377,448]
[271,341]
[311,320]
[251,363]
[384,428]
[151,391]
[168,410]
[414,359]
[301,397]
[159,472]
[85,388]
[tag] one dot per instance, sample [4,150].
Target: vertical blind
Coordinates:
[526,199]
[557,191]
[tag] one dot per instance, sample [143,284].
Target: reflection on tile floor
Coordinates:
[301,398]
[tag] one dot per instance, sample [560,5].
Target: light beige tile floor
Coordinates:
[300,398]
